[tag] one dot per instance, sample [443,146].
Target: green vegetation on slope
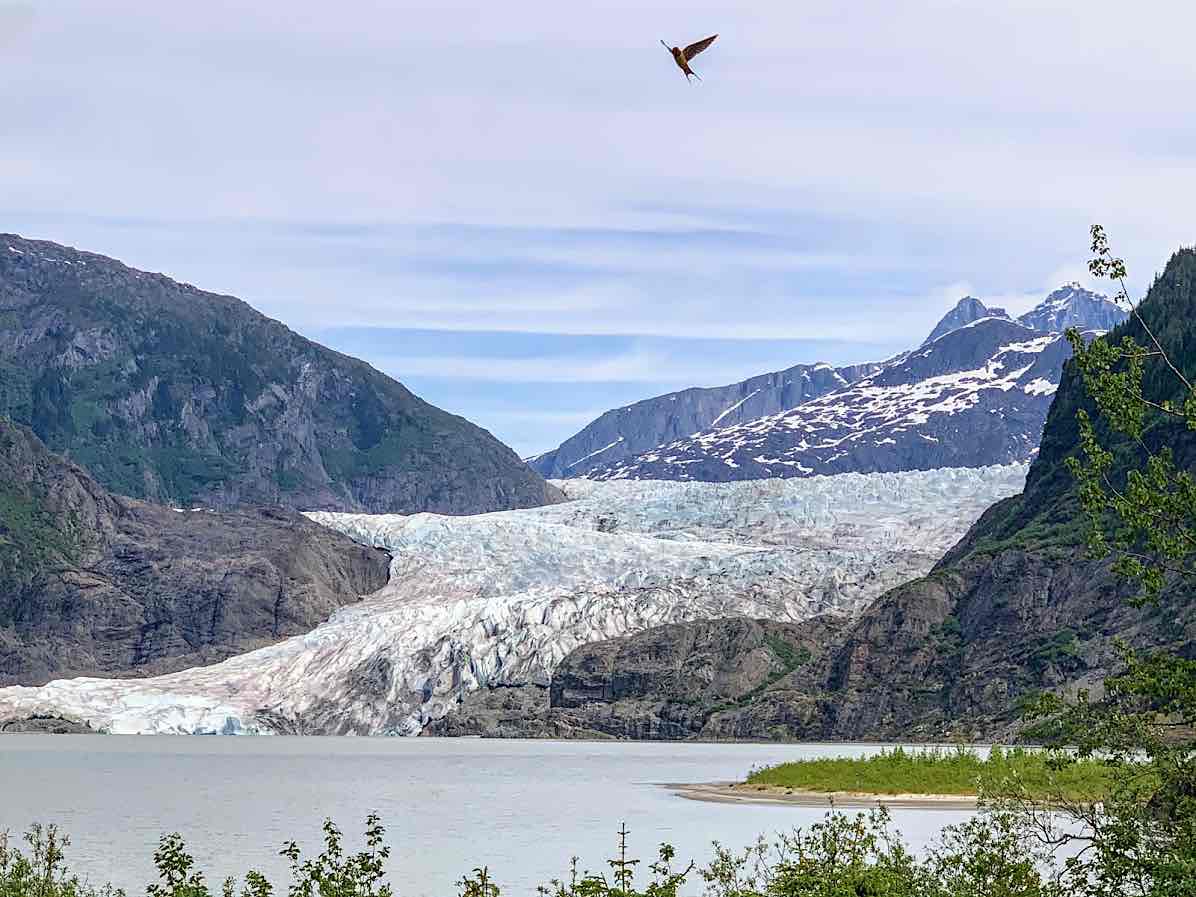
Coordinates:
[168,393]
[31,536]
[1048,514]
[1036,774]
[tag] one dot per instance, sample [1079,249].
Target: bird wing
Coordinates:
[694,49]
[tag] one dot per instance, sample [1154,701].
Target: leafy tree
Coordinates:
[333,874]
[845,857]
[1138,492]
[992,855]
[43,872]
[176,869]
[666,882]
[479,884]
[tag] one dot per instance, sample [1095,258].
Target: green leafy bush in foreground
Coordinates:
[842,856]
[1035,775]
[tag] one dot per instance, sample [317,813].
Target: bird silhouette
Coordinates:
[682,57]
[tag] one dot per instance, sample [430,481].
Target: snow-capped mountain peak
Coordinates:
[1071,305]
[967,311]
[1074,306]
[976,392]
[976,395]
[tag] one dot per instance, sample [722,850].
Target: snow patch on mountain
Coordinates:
[1073,306]
[958,399]
[903,417]
[501,598]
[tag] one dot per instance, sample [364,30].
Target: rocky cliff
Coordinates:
[968,310]
[1017,607]
[684,680]
[957,653]
[92,583]
[168,393]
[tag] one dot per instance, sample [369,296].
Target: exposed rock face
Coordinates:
[1016,608]
[968,310]
[625,432]
[952,654]
[96,584]
[171,394]
[1073,306]
[687,680]
[44,726]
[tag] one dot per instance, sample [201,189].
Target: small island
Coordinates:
[932,778]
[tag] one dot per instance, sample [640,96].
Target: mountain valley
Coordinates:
[828,584]
[499,599]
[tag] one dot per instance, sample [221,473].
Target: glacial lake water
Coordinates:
[523,808]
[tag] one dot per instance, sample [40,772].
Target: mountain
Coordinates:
[495,601]
[975,394]
[92,583]
[1069,306]
[168,393]
[968,310]
[622,433]
[1073,306]
[1016,608]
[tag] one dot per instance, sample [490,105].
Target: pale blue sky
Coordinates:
[523,211]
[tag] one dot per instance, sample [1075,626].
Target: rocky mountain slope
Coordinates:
[624,432]
[497,600]
[97,584]
[1069,306]
[168,393]
[1073,306]
[975,395]
[967,311]
[669,682]
[1016,608]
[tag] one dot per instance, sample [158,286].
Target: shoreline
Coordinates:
[743,793]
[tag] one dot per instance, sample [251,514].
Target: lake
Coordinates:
[523,808]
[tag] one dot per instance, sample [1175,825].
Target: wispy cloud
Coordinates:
[635,367]
[534,167]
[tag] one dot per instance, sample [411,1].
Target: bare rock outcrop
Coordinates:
[93,583]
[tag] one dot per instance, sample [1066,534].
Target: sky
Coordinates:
[524,212]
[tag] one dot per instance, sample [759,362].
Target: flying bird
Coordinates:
[682,57]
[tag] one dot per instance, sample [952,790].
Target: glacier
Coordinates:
[500,598]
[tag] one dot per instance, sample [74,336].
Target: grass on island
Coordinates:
[1028,773]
